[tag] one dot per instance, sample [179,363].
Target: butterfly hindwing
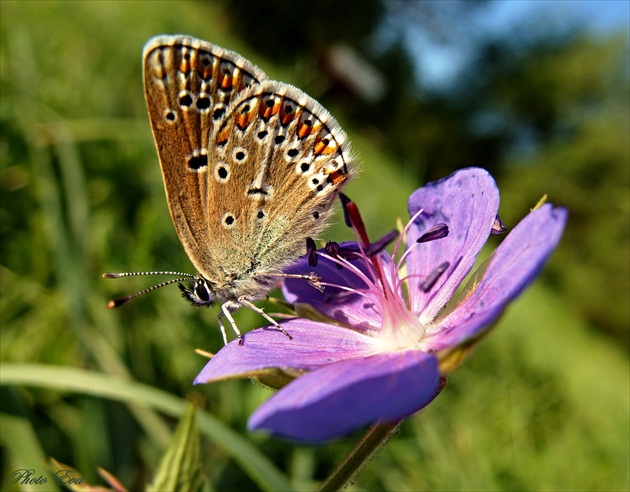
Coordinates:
[279,160]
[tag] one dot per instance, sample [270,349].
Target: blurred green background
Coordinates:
[543,404]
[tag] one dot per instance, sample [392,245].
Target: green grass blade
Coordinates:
[255,464]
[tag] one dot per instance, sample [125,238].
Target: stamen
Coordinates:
[433,277]
[498,228]
[354,219]
[346,253]
[333,249]
[344,202]
[358,227]
[381,244]
[438,231]
[311,252]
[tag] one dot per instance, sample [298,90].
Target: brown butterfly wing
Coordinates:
[189,85]
[279,161]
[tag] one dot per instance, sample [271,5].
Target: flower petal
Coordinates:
[313,345]
[467,201]
[339,398]
[361,311]
[514,265]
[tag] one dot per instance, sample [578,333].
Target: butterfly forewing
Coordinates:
[189,85]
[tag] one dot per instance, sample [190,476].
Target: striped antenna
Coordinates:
[124,300]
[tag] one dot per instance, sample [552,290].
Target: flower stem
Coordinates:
[370,444]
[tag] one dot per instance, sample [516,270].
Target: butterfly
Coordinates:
[251,167]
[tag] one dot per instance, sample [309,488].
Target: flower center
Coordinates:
[400,327]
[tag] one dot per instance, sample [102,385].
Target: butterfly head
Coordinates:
[199,293]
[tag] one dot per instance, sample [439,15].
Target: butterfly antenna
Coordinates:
[124,300]
[134,274]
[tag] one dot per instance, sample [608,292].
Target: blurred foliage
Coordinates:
[82,194]
[287,30]
[586,161]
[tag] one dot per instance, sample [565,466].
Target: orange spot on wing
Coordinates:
[226,81]
[337,177]
[285,117]
[184,66]
[324,146]
[244,119]
[304,130]
[223,136]
[204,71]
[267,112]
[185,62]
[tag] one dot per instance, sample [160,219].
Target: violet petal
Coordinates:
[467,201]
[339,398]
[313,345]
[514,265]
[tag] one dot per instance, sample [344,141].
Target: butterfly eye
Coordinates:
[201,289]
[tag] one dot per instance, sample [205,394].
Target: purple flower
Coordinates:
[385,331]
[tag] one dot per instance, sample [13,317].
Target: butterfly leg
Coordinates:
[256,309]
[226,311]
[312,278]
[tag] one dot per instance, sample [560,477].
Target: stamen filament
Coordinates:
[396,266]
[359,228]
[353,269]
